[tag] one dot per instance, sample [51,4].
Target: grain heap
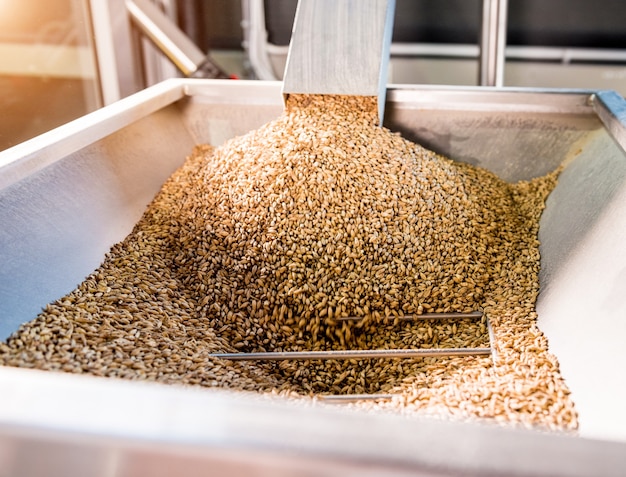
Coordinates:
[260,244]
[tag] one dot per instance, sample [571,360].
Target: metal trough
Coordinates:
[68,195]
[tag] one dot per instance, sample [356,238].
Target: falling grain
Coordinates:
[263,243]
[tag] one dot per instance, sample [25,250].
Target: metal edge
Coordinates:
[611,109]
[33,155]
[385,56]
[353,354]
[115,411]
[493,99]
[251,92]
[350,398]
[444,97]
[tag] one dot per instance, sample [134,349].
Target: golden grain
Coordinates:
[263,243]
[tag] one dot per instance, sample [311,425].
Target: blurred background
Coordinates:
[61,59]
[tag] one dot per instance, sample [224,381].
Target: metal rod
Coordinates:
[166,36]
[355,354]
[492,340]
[347,398]
[423,316]
[492,43]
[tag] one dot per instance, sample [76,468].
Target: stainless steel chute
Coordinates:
[68,195]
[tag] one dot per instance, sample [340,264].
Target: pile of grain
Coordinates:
[261,244]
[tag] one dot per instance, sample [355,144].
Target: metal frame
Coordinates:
[490,53]
[23,159]
[492,43]
[80,425]
[119,71]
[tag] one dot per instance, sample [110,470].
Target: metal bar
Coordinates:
[423,316]
[355,354]
[348,398]
[166,36]
[458,100]
[255,40]
[492,43]
[492,340]
[563,55]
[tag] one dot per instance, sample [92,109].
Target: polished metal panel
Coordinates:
[517,134]
[583,282]
[340,48]
[67,196]
[80,425]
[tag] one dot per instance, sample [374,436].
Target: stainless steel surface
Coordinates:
[583,272]
[72,425]
[340,48]
[67,196]
[27,158]
[493,42]
[516,133]
[354,354]
[166,35]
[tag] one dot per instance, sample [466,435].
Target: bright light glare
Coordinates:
[9,9]
[20,16]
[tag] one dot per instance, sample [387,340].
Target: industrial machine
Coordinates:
[68,195]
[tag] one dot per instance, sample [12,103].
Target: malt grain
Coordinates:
[262,243]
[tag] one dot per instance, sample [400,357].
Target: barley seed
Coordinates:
[261,244]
